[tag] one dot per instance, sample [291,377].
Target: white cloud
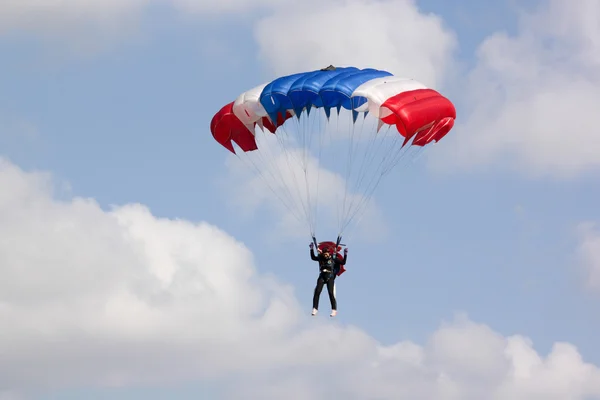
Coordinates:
[114,298]
[72,29]
[391,35]
[116,285]
[532,99]
[589,253]
[461,360]
[63,15]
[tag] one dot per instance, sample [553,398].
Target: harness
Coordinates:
[327,273]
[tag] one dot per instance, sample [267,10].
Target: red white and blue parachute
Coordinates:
[296,111]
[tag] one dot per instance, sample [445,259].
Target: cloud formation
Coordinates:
[115,298]
[531,100]
[390,35]
[62,16]
[79,282]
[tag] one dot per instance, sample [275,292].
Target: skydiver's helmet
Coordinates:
[327,252]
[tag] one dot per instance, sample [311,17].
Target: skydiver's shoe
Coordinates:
[314,311]
[333,313]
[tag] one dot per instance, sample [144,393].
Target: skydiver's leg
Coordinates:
[317,294]
[331,291]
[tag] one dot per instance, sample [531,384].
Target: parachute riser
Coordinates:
[338,242]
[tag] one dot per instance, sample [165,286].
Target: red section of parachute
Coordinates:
[280,120]
[227,127]
[423,112]
[331,246]
[436,132]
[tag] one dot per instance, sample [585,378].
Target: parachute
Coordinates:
[327,137]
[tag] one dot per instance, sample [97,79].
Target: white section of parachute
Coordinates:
[377,91]
[248,109]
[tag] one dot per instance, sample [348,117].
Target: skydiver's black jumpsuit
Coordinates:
[328,269]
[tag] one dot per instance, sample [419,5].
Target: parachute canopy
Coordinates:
[420,116]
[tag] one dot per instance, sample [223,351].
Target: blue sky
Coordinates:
[130,124]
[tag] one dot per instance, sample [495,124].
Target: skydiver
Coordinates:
[329,267]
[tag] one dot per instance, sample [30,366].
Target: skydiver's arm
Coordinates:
[343,260]
[312,255]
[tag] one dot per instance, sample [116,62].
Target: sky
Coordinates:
[139,262]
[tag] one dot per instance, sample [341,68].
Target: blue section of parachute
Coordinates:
[327,89]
